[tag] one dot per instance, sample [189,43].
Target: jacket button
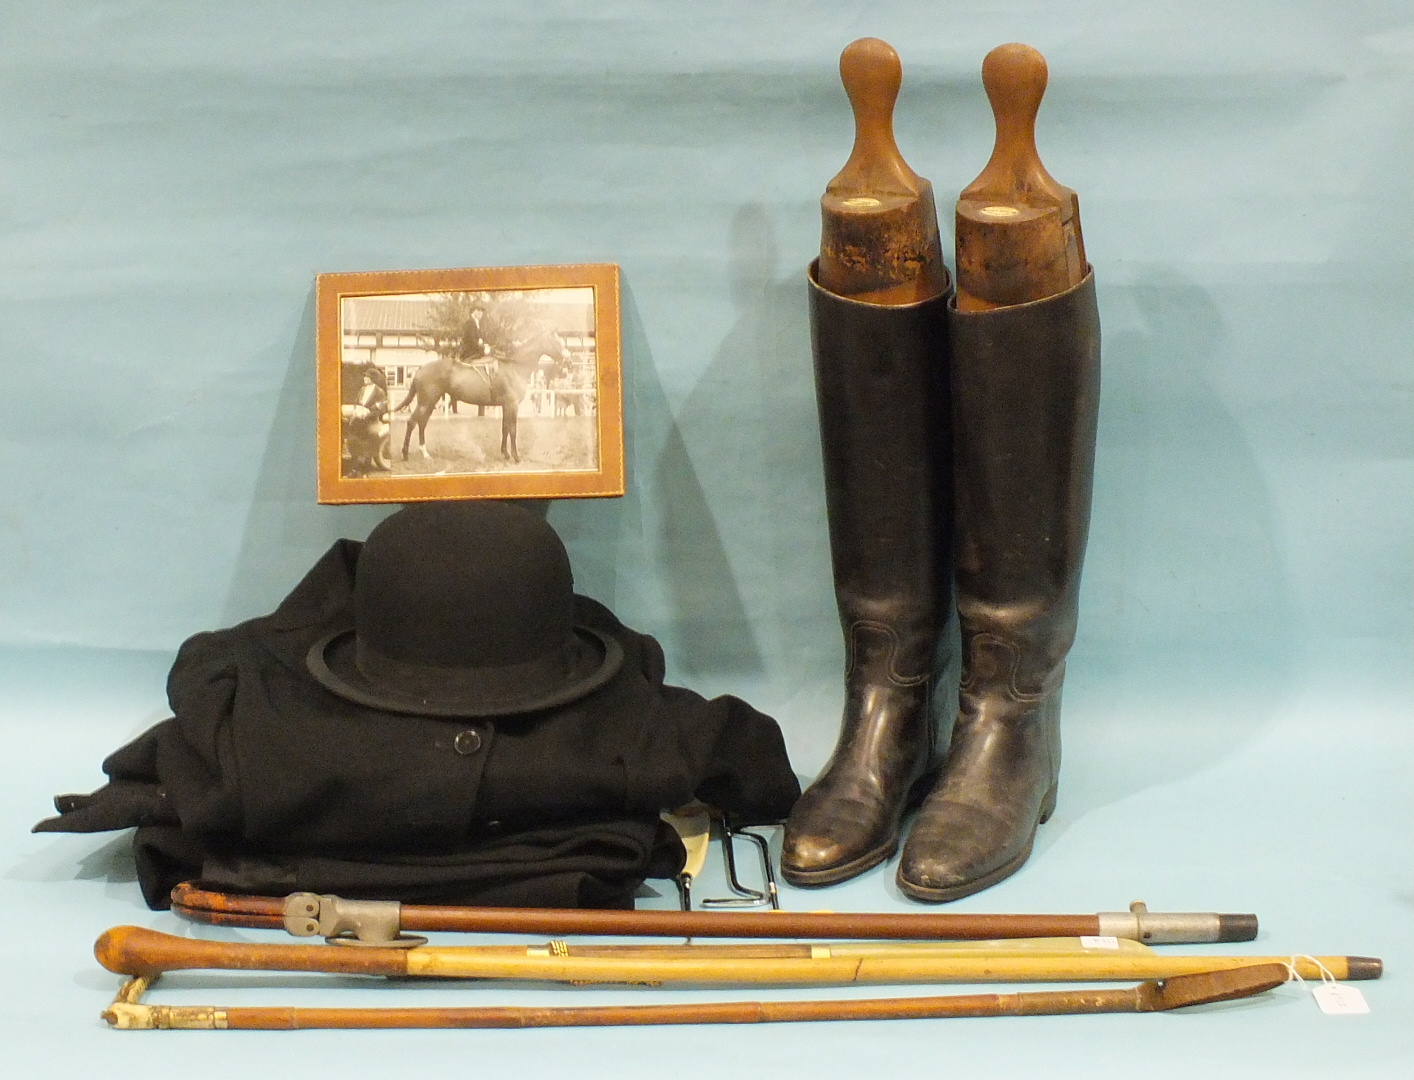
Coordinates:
[467,742]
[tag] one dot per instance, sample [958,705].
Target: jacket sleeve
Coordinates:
[747,774]
[195,760]
[133,795]
[722,751]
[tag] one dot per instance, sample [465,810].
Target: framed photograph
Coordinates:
[486,383]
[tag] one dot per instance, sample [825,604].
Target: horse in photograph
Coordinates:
[503,382]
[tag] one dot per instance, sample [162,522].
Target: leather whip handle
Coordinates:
[1018,230]
[879,228]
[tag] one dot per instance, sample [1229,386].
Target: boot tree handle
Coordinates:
[872,74]
[1018,230]
[879,230]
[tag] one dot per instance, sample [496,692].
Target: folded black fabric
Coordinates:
[262,760]
[117,805]
[591,864]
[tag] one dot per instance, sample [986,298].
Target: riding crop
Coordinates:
[309,914]
[130,950]
[129,1013]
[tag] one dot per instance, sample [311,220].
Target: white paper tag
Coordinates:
[1340,999]
[1099,942]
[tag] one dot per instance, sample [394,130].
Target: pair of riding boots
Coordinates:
[958,452]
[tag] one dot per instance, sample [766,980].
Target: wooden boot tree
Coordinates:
[879,242]
[1018,230]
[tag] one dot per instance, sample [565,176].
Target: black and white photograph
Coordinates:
[471,382]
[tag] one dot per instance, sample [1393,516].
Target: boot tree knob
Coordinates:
[1014,77]
[1018,230]
[872,74]
[879,237]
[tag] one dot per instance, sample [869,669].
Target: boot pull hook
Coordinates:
[1018,229]
[879,237]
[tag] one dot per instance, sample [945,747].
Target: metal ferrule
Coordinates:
[1176,927]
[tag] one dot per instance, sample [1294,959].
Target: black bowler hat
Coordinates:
[464,609]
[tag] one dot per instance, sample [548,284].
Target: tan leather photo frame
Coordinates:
[486,382]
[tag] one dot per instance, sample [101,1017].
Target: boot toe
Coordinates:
[810,854]
[956,850]
[843,840]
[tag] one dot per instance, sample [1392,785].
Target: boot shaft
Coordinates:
[882,387]
[1025,395]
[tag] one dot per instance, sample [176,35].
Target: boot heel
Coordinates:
[1048,805]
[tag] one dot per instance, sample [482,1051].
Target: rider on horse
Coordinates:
[474,351]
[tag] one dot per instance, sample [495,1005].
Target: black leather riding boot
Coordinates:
[881,384]
[1025,389]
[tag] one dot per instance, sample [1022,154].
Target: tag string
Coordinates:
[1293,974]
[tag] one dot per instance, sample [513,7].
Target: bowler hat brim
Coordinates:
[593,659]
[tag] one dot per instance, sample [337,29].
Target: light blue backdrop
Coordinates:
[1238,707]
